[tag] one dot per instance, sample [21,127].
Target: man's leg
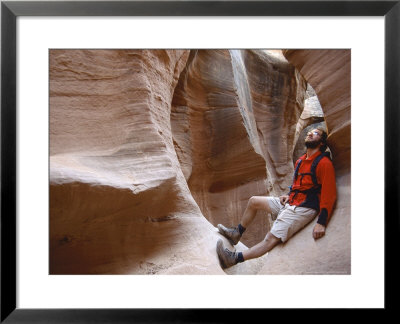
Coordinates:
[229,258]
[255,203]
[261,248]
[287,224]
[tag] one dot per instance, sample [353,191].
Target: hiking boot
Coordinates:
[231,233]
[226,258]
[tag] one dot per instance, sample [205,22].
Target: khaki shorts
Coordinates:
[288,219]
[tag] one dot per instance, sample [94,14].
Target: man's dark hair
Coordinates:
[324,137]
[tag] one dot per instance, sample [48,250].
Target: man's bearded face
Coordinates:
[313,139]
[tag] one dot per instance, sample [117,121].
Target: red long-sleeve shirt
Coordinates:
[325,177]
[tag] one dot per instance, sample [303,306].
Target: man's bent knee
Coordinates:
[259,202]
[272,240]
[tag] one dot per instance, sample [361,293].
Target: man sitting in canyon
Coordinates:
[313,192]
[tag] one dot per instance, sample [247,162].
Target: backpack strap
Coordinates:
[314,166]
[296,172]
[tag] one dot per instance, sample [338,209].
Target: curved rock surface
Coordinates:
[118,200]
[150,149]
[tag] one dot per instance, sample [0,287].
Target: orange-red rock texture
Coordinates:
[151,149]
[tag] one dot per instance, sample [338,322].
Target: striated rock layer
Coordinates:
[150,149]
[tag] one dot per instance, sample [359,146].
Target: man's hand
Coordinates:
[283,199]
[319,231]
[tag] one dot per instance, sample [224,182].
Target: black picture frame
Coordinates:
[11,10]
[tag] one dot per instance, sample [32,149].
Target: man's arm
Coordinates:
[326,177]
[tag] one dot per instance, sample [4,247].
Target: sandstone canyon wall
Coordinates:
[150,149]
[118,200]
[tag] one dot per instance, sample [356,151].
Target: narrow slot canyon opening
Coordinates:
[311,118]
[234,115]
